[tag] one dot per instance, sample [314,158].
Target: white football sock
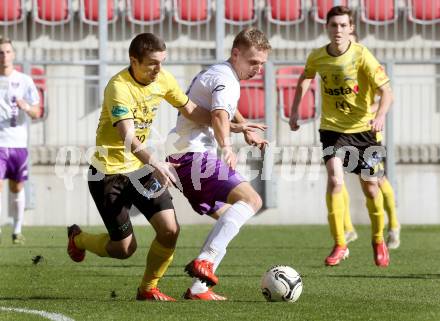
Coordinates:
[17,201]
[225,229]
[201,287]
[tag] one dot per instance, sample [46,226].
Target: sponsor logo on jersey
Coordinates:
[118,111]
[338,91]
[219,88]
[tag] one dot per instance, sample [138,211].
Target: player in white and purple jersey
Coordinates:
[211,184]
[19,99]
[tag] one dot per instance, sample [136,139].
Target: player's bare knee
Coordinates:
[254,200]
[173,233]
[334,184]
[371,191]
[125,253]
[132,247]
[16,188]
[168,237]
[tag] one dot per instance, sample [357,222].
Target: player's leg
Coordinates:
[350,232]
[112,198]
[370,170]
[17,174]
[245,202]
[198,174]
[374,203]
[16,208]
[393,240]
[335,209]
[160,213]
[199,290]
[4,155]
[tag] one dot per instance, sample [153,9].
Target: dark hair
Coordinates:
[251,37]
[145,43]
[340,11]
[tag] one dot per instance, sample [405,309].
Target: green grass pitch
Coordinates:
[356,290]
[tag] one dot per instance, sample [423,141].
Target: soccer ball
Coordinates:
[281,283]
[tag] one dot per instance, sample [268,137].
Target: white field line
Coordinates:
[44,314]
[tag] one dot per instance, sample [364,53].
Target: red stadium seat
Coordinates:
[251,103]
[145,12]
[379,12]
[424,12]
[240,12]
[285,12]
[192,12]
[286,81]
[38,76]
[52,12]
[89,11]
[11,11]
[321,7]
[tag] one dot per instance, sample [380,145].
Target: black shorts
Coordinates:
[115,194]
[361,152]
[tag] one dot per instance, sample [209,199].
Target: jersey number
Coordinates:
[141,138]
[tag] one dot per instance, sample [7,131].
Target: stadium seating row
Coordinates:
[251,104]
[192,12]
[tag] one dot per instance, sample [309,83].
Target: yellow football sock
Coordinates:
[335,207]
[158,260]
[348,225]
[389,204]
[95,243]
[375,210]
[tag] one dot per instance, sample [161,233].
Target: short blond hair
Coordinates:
[251,37]
[4,40]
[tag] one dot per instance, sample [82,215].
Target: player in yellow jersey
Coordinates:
[393,240]
[350,78]
[124,173]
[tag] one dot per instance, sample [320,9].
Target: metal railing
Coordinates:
[69,30]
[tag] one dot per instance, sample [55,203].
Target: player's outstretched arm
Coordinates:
[196,113]
[240,125]
[221,126]
[303,86]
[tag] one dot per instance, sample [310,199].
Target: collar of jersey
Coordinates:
[138,82]
[232,68]
[328,53]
